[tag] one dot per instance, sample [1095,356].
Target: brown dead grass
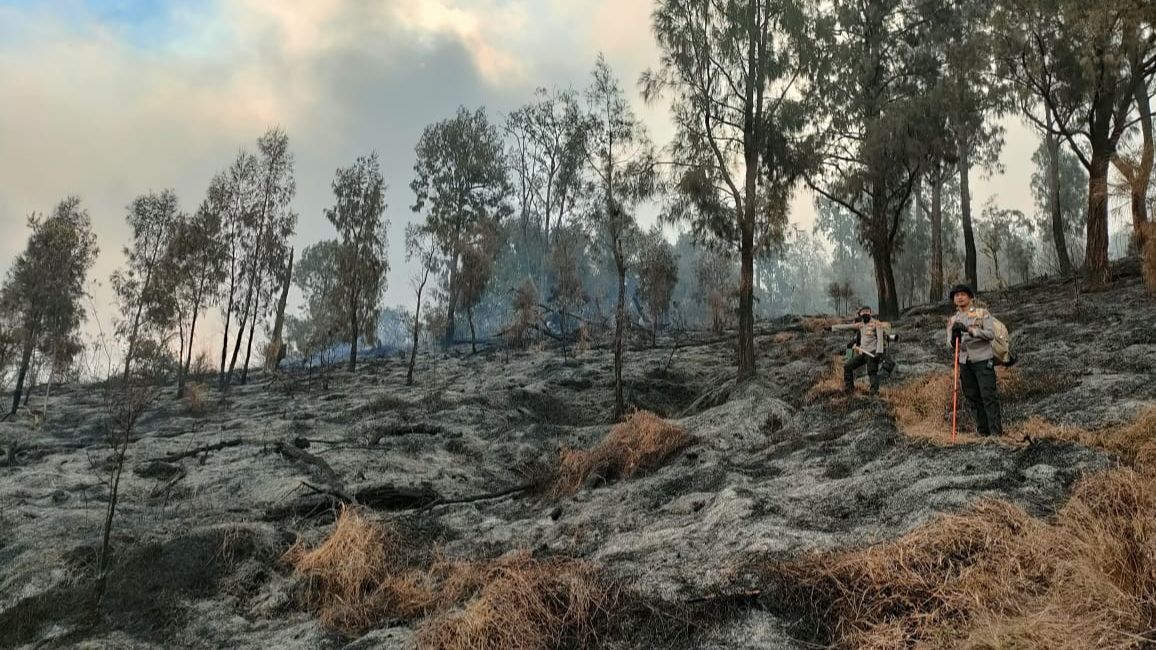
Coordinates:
[829,386]
[366,573]
[816,324]
[528,604]
[993,577]
[783,337]
[640,444]
[922,406]
[1134,442]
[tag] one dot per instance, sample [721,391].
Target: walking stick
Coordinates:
[955,391]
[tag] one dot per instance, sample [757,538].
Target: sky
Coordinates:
[109,99]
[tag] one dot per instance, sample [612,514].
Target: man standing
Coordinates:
[972,330]
[868,350]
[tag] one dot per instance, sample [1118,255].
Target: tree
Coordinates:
[567,266]
[621,158]
[361,260]
[715,281]
[735,67]
[1060,189]
[275,353]
[43,289]
[420,247]
[145,287]
[197,255]
[1086,62]
[841,294]
[657,276]
[873,116]
[1137,169]
[231,197]
[969,95]
[270,226]
[546,155]
[478,251]
[1000,231]
[319,326]
[460,181]
[849,265]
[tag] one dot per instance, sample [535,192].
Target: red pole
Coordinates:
[955,391]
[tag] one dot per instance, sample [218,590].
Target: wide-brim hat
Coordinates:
[960,288]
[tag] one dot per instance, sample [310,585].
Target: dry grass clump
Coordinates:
[528,604]
[359,575]
[994,577]
[922,406]
[830,385]
[783,337]
[816,324]
[365,573]
[1134,442]
[641,443]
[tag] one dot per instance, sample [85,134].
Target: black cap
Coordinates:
[867,307]
[960,288]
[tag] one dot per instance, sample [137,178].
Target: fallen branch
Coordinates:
[742,597]
[405,429]
[316,466]
[235,442]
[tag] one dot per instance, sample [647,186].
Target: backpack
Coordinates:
[1001,345]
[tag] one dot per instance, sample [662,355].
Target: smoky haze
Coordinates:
[109,103]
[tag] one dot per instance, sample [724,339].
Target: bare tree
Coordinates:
[420,247]
[621,157]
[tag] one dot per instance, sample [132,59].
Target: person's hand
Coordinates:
[959,329]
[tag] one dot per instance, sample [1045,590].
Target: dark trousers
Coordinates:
[979,387]
[857,362]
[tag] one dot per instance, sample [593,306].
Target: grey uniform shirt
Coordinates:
[871,335]
[976,342]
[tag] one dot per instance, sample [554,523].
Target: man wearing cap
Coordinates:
[869,350]
[972,329]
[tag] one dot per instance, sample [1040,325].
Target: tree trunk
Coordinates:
[225,342]
[249,347]
[279,323]
[970,263]
[244,320]
[451,299]
[473,334]
[1059,232]
[188,361]
[885,282]
[936,293]
[25,362]
[1096,253]
[1059,236]
[619,327]
[1143,174]
[416,328]
[353,327]
[746,351]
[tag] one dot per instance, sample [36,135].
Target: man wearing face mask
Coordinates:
[869,350]
[971,331]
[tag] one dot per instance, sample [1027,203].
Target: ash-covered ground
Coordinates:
[198,538]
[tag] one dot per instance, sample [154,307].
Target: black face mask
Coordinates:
[866,318]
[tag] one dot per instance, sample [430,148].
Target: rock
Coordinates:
[157,469]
